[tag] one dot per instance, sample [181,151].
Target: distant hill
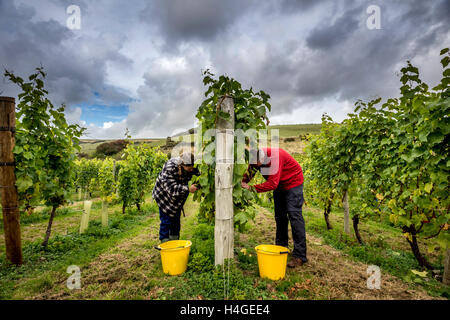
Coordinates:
[89,146]
[286,130]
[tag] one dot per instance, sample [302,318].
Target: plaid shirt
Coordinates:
[171,187]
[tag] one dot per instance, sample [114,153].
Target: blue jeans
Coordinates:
[169,227]
[288,208]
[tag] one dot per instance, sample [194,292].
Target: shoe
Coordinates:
[295,262]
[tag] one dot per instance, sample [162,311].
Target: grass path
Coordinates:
[330,274]
[131,269]
[373,231]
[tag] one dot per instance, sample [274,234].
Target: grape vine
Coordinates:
[250,110]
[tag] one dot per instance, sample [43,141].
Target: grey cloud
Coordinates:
[169,97]
[442,11]
[347,61]
[203,20]
[75,66]
[193,19]
[332,56]
[291,6]
[330,35]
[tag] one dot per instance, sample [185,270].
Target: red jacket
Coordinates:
[284,173]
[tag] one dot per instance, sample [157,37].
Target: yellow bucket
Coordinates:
[272,261]
[174,256]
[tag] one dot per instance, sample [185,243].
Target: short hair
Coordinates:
[260,156]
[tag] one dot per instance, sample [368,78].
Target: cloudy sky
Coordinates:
[137,64]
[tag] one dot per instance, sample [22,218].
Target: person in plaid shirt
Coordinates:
[170,193]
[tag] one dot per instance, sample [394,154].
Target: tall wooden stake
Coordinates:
[10,202]
[346,213]
[224,223]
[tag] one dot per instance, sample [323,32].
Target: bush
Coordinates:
[203,242]
[247,259]
[170,143]
[111,148]
[289,139]
[204,231]
[200,263]
[303,137]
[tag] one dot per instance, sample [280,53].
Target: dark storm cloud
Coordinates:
[75,65]
[185,20]
[193,19]
[300,52]
[347,61]
[327,36]
[338,58]
[442,10]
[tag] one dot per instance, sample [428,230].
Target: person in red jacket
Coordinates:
[284,176]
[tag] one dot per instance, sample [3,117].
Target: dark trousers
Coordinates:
[170,226]
[288,208]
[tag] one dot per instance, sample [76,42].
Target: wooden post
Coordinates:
[446,277]
[224,221]
[346,213]
[10,199]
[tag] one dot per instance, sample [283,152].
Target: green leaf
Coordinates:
[435,137]
[422,274]
[428,187]
[24,183]
[203,181]
[224,115]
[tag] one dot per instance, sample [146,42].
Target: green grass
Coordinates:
[123,264]
[42,215]
[239,279]
[392,259]
[43,266]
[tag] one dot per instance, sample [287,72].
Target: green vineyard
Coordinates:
[376,193]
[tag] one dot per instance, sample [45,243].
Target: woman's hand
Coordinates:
[193,188]
[245,185]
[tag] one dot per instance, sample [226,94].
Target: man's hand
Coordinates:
[193,188]
[245,185]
